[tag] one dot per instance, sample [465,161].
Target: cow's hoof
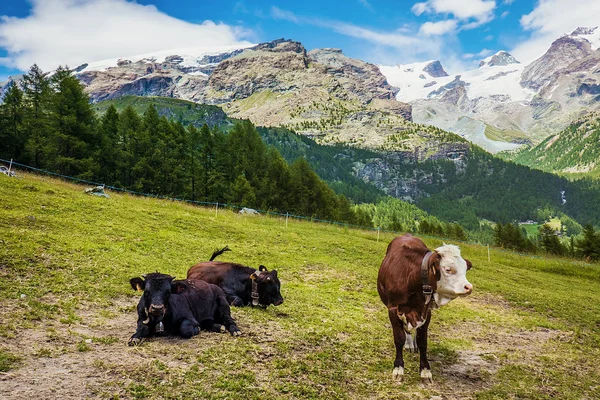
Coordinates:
[398,374]
[222,329]
[236,333]
[135,341]
[426,377]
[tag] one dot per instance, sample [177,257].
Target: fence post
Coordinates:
[488,246]
[378,230]
[216,209]
[10,166]
[286,218]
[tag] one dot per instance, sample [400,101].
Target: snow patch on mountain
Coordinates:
[194,57]
[484,81]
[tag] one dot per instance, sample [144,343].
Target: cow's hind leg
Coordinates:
[187,329]
[422,343]
[223,315]
[399,339]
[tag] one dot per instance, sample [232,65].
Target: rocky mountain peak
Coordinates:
[583,31]
[281,46]
[435,69]
[563,51]
[501,58]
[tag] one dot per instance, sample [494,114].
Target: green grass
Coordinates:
[503,135]
[530,330]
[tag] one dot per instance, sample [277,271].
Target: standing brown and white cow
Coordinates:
[412,280]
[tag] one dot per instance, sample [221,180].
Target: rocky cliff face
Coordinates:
[435,69]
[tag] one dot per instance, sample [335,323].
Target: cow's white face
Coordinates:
[453,275]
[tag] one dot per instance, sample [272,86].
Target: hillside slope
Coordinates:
[572,152]
[68,309]
[457,182]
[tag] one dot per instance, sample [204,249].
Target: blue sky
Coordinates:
[457,32]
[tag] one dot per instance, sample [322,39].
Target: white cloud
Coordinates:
[461,9]
[366,4]
[71,32]
[279,14]
[549,20]
[438,28]
[504,14]
[403,40]
[419,8]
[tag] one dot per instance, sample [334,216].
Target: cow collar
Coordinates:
[427,289]
[254,293]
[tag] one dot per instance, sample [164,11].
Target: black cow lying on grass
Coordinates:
[242,285]
[179,307]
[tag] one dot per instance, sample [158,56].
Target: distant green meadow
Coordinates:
[531,330]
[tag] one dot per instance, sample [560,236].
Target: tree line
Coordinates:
[548,240]
[48,122]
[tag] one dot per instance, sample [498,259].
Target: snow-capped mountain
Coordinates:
[504,103]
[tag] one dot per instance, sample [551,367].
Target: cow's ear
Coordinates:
[434,264]
[262,268]
[253,276]
[469,265]
[274,273]
[178,287]
[137,283]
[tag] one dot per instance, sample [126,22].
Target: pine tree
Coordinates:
[549,240]
[111,153]
[589,246]
[73,139]
[37,96]
[12,129]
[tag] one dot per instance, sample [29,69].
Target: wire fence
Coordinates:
[218,205]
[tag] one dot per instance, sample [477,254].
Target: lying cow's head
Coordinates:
[451,273]
[157,289]
[268,286]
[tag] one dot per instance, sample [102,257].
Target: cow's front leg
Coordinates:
[143,327]
[224,316]
[234,300]
[399,339]
[142,332]
[422,343]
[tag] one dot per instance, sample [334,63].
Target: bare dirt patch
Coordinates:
[91,359]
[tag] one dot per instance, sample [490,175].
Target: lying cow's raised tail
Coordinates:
[218,252]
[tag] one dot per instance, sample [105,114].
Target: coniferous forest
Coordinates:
[50,124]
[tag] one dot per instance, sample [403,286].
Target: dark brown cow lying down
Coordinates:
[412,280]
[242,285]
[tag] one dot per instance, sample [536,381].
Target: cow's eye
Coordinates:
[449,270]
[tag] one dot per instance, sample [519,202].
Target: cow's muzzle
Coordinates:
[468,290]
[156,310]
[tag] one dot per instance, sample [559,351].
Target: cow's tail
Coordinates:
[218,252]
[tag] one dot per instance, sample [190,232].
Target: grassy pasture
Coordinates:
[531,330]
